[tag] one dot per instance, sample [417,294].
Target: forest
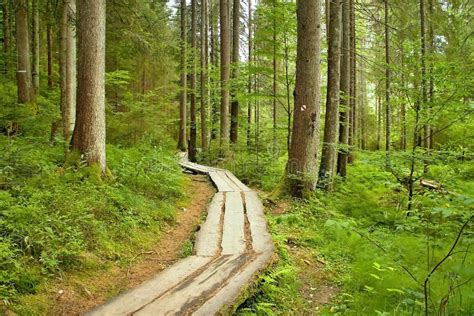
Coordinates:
[353,120]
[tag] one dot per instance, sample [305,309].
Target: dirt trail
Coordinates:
[74,297]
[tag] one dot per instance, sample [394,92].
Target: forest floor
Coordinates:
[316,284]
[330,260]
[75,293]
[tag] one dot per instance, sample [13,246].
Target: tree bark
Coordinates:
[302,159]
[256,89]
[249,88]
[332,96]
[214,63]
[430,71]
[204,62]
[68,68]
[24,80]
[353,87]
[326,16]
[378,107]
[193,127]
[288,90]
[403,116]
[345,93]
[388,110]
[89,134]
[36,45]
[49,43]
[6,35]
[234,115]
[403,136]
[274,77]
[363,106]
[424,92]
[182,100]
[225,75]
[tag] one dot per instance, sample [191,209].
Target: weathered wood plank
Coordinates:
[222,301]
[233,236]
[239,183]
[132,300]
[235,187]
[209,236]
[211,281]
[195,168]
[261,239]
[191,294]
[219,181]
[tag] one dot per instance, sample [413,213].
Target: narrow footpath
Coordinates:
[232,247]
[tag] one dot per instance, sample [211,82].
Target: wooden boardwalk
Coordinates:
[232,246]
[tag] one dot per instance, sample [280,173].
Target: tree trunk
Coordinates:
[326,16]
[143,82]
[49,42]
[363,107]
[353,88]
[249,88]
[89,134]
[182,100]
[274,81]
[288,91]
[204,62]
[225,74]
[302,159]
[193,127]
[6,35]
[332,96]
[378,108]
[256,89]
[68,68]
[345,93]
[424,93]
[403,136]
[403,116]
[234,118]
[430,71]
[25,86]
[214,63]
[36,45]
[388,110]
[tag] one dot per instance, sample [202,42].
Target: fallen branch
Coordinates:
[430,184]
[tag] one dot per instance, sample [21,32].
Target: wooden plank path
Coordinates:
[232,246]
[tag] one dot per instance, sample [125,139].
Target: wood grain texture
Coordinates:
[232,247]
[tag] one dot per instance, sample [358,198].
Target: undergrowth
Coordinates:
[57,216]
[377,253]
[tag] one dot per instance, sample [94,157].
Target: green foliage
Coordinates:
[51,215]
[30,120]
[369,242]
[148,119]
[277,291]
[56,214]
